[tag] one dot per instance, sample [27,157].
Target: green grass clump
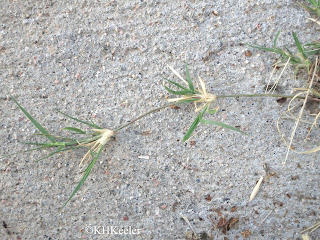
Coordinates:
[94,140]
[190,93]
[299,60]
[315,7]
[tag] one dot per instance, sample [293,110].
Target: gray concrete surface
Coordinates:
[102,61]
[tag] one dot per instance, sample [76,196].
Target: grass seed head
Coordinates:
[196,95]
[105,135]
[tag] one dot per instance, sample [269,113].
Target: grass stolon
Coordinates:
[98,138]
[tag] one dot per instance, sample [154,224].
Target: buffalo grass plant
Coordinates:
[190,93]
[97,139]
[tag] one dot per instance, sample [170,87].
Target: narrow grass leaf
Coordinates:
[86,174]
[191,129]
[221,125]
[316,93]
[30,150]
[189,79]
[56,137]
[312,48]
[174,83]
[38,144]
[213,111]
[194,124]
[276,39]
[290,53]
[187,92]
[35,123]
[78,120]
[313,2]
[262,47]
[51,154]
[296,40]
[67,149]
[274,50]
[308,8]
[73,129]
[188,101]
[177,74]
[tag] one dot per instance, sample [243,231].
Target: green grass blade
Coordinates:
[296,40]
[56,137]
[188,101]
[308,8]
[276,39]
[221,125]
[274,50]
[290,54]
[316,93]
[60,149]
[35,123]
[96,126]
[194,124]
[282,53]
[78,120]
[39,144]
[312,52]
[293,59]
[67,149]
[313,2]
[312,48]
[30,150]
[213,111]
[189,79]
[261,47]
[86,174]
[191,129]
[73,129]
[187,92]
[51,154]
[174,83]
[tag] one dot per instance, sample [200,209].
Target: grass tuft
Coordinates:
[299,60]
[315,7]
[95,139]
[196,95]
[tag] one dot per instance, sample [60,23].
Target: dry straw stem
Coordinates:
[195,236]
[299,118]
[256,189]
[265,218]
[312,228]
[314,20]
[305,237]
[274,86]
